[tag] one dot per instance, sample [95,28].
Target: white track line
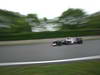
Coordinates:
[52,61]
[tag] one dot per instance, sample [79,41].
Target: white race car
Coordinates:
[68,41]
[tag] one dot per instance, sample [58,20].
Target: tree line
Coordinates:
[71,19]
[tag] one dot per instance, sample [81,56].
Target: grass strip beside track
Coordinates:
[89,67]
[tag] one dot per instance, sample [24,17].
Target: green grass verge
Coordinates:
[43,35]
[74,68]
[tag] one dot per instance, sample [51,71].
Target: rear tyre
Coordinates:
[80,42]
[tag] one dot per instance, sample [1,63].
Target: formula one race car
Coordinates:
[67,41]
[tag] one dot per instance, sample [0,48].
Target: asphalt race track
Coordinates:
[45,52]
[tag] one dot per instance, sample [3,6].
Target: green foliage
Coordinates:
[15,21]
[20,25]
[71,18]
[78,19]
[43,35]
[45,19]
[74,17]
[67,27]
[94,21]
[73,12]
[9,13]
[33,17]
[8,17]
